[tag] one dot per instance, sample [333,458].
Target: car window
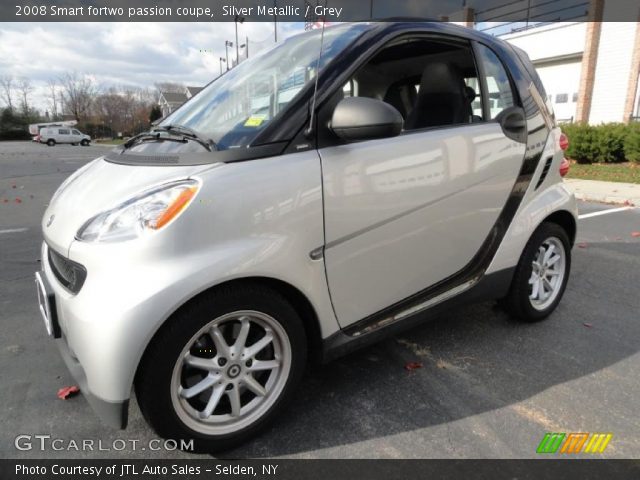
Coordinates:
[76,132]
[237,106]
[497,80]
[63,131]
[431,82]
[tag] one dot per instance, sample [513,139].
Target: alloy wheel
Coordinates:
[547,273]
[231,372]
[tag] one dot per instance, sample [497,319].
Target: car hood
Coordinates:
[99,186]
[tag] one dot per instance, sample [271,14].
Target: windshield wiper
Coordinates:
[187,132]
[149,135]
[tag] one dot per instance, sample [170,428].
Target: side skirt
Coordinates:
[489,287]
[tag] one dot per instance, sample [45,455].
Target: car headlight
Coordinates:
[145,213]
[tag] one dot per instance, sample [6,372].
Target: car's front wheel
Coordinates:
[223,367]
[541,275]
[84,142]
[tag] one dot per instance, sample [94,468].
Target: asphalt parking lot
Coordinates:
[488,388]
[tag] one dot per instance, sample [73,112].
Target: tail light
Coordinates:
[563,142]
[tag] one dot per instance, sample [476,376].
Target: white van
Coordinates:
[53,135]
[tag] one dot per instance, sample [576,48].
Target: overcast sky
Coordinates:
[136,54]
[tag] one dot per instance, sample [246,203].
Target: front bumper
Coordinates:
[129,292]
[114,414]
[103,330]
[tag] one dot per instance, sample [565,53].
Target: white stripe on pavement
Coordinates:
[13,230]
[604,212]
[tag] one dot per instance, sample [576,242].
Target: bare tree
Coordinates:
[25,88]
[6,86]
[169,87]
[112,107]
[148,96]
[53,98]
[78,93]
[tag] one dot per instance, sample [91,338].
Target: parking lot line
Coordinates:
[604,212]
[13,230]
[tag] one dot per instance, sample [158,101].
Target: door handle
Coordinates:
[513,123]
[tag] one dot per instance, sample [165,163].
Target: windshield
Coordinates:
[234,108]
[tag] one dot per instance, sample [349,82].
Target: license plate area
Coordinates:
[47,306]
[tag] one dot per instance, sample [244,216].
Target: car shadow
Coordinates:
[475,359]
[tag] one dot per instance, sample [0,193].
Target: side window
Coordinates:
[431,82]
[497,81]
[75,132]
[63,131]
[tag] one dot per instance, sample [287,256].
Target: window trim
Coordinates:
[517,101]
[482,81]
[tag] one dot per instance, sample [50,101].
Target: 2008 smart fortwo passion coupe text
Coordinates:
[344,185]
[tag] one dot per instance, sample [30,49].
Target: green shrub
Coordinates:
[13,126]
[610,142]
[632,143]
[607,142]
[582,142]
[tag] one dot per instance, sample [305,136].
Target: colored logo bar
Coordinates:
[576,442]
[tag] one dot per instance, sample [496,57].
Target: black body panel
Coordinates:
[495,285]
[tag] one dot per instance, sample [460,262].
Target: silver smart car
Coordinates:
[333,190]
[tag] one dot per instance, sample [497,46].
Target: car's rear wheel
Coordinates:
[51,142]
[223,367]
[541,275]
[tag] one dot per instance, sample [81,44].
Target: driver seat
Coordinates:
[442,98]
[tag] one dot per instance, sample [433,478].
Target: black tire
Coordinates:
[51,142]
[153,385]
[84,143]
[517,303]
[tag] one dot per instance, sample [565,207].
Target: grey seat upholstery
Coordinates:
[442,98]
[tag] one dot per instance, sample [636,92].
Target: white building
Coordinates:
[590,68]
[169,101]
[558,52]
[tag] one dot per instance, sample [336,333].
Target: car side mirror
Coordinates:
[362,118]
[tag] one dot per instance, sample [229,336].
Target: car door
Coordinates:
[76,136]
[406,213]
[64,136]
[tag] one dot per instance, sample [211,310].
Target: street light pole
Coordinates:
[227,44]
[237,19]
[275,21]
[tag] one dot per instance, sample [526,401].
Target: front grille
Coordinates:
[70,274]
